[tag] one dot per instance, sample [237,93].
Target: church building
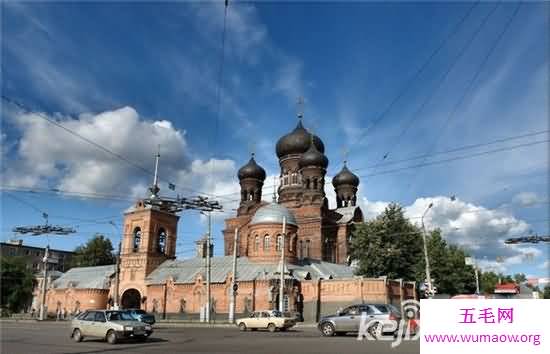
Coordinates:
[318,276]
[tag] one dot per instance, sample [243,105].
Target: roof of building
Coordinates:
[345,177]
[297,142]
[251,170]
[186,271]
[273,213]
[313,157]
[86,278]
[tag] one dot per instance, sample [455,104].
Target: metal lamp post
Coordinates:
[426,258]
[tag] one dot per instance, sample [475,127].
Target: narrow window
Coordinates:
[266,242]
[307,249]
[256,243]
[279,243]
[137,239]
[161,247]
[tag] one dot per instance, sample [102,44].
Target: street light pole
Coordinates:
[42,314]
[208,236]
[234,278]
[282,281]
[116,304]
[426,258]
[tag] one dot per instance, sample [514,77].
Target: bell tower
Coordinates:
[149,239]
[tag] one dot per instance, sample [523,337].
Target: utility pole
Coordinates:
[208,266]
[116,303]
[43,290]
[234,279]
[117,278]
[426,259]
[282,284]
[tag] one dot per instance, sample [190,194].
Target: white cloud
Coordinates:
[526,199]
[479,230]
[545,265]
[47,155]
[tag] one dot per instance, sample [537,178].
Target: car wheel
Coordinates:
[271,327]
[77,336]
[373,330]
[111,337]
[327,329]
[242,326]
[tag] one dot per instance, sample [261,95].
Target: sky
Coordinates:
[385,84]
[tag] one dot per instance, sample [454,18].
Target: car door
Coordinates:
[100,324]
[264,319]
[369,313]
[87,324]
[254,320]
[346,318]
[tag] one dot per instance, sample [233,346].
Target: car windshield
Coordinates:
[140,312]
[119,316]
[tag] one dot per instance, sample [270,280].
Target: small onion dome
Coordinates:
[345,176]
[252,170]
[273,213]
[297,142]
[312,157]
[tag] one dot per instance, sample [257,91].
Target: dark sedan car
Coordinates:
[141,316]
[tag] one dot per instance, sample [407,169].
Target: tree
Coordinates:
[97,251]
[488,282]
[388,245]
[546,293]
[519,278]
[448,269]
[16,285]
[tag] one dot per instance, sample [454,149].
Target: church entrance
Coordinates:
[131,299]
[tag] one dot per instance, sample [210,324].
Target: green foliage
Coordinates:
[388,245]
[391,245]
[489,280]
[16,284]
[449,271]
[546,293]
[97,251]
[519,278]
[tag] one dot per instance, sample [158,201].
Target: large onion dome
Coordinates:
[345,176]
[273,213]
[312,157]
[252,170]
[297,142]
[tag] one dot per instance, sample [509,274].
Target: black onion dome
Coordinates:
[251,170]
[297,142]
[312,157]
[345,176]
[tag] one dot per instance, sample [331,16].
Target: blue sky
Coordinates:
[130,76]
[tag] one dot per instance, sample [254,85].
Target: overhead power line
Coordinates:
[429,163]
[471,83]
[442,80]
[23,108]
[417,74]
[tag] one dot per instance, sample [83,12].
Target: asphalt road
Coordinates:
[51,337]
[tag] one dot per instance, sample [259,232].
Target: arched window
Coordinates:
[294,178]
[279,243]
[161,245]
[307,249]
[267,241]
[137,239]
[256,243]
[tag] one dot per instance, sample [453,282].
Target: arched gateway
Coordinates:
[131,299]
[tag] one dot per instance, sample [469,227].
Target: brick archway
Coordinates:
[131,299]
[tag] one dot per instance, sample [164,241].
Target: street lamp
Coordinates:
[426,259]
[117,269]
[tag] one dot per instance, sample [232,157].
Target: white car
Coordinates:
[270,320]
